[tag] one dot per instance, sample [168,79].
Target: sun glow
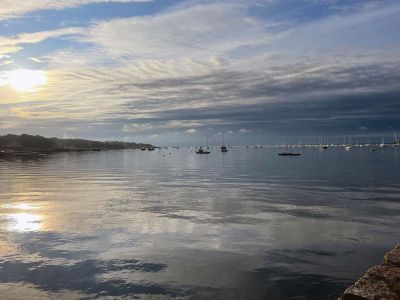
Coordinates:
[26,80]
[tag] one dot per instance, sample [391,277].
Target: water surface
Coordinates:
[247,224]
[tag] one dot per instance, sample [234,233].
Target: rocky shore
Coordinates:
[380,282]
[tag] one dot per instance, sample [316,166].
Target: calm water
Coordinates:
[247,224]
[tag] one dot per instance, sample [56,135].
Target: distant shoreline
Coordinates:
[25,145]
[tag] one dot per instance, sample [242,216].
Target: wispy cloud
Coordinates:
[13,9]
[14,44]
[210,30]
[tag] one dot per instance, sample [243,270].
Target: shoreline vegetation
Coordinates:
[26,145]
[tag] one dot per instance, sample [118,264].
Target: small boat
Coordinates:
[348,147]
[289,154]
[324,146]
[143,149]
[223,147]
[202,151]
[151,149]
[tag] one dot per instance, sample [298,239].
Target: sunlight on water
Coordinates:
[21,206]
[22,217]
[24,222]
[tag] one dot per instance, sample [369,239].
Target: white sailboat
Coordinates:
[382,145]
[348,146]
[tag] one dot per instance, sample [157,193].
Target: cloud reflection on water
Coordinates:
[123,223]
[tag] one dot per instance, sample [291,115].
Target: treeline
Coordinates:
[26,142]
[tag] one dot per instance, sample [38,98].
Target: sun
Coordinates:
[26,80]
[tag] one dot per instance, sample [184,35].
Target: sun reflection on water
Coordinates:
[24,222]
[22,217]
[21,206]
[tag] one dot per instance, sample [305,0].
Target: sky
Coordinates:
[175,72]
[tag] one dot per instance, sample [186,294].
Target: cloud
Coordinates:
[6,62]
[14,44]
[37,60]
[9,49]
[244,130]
[208,29]
[224,68]
[14,9]
[138,99]
[191,131]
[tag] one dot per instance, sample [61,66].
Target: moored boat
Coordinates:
[382,145]
[289,154]
[223,147]
[202,151]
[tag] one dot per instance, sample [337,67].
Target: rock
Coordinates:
[379,283]
[393,257]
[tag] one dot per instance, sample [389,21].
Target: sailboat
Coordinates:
[223,147]
[324,147]
[203,151]
[348,146]
[396,141]
[382,145]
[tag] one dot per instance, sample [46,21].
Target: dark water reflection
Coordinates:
[247,224]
